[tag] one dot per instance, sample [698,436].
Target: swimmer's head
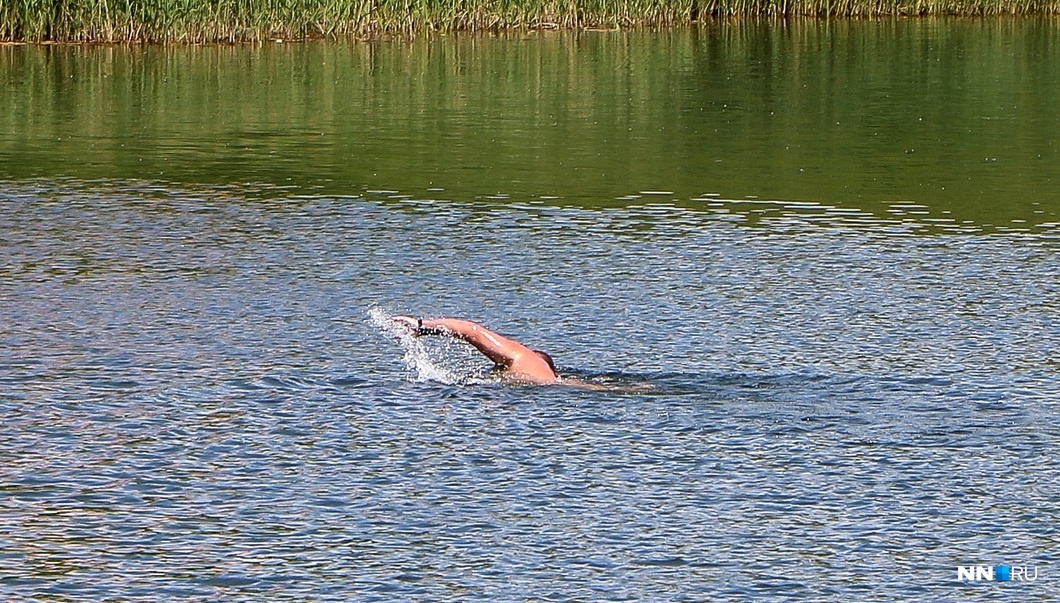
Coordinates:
[548,359]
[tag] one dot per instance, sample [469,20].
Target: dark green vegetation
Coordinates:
[250,20]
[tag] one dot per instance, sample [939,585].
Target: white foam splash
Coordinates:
[417,357]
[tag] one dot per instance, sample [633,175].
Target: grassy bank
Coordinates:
[247,20]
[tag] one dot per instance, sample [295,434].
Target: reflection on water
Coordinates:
[195,405]
[941,120]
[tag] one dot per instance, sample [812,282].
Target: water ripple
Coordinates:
[196,405]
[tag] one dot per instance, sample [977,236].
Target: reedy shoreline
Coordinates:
[206,21]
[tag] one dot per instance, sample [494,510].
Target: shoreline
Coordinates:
[96,24]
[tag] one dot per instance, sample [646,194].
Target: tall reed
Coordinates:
[248,20]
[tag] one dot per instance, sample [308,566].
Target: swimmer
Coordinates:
[513,359]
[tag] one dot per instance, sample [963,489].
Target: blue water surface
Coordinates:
[195,403]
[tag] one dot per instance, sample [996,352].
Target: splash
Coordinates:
[419,356]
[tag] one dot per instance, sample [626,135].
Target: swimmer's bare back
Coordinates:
[515,360]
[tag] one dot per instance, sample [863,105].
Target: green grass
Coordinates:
[194,21]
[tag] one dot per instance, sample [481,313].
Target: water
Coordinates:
[958,117]
[817,394]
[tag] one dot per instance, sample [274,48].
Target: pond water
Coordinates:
[814,265]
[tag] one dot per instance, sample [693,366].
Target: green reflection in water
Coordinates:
[958,116]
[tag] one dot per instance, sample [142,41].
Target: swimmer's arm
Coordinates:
[496,347]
